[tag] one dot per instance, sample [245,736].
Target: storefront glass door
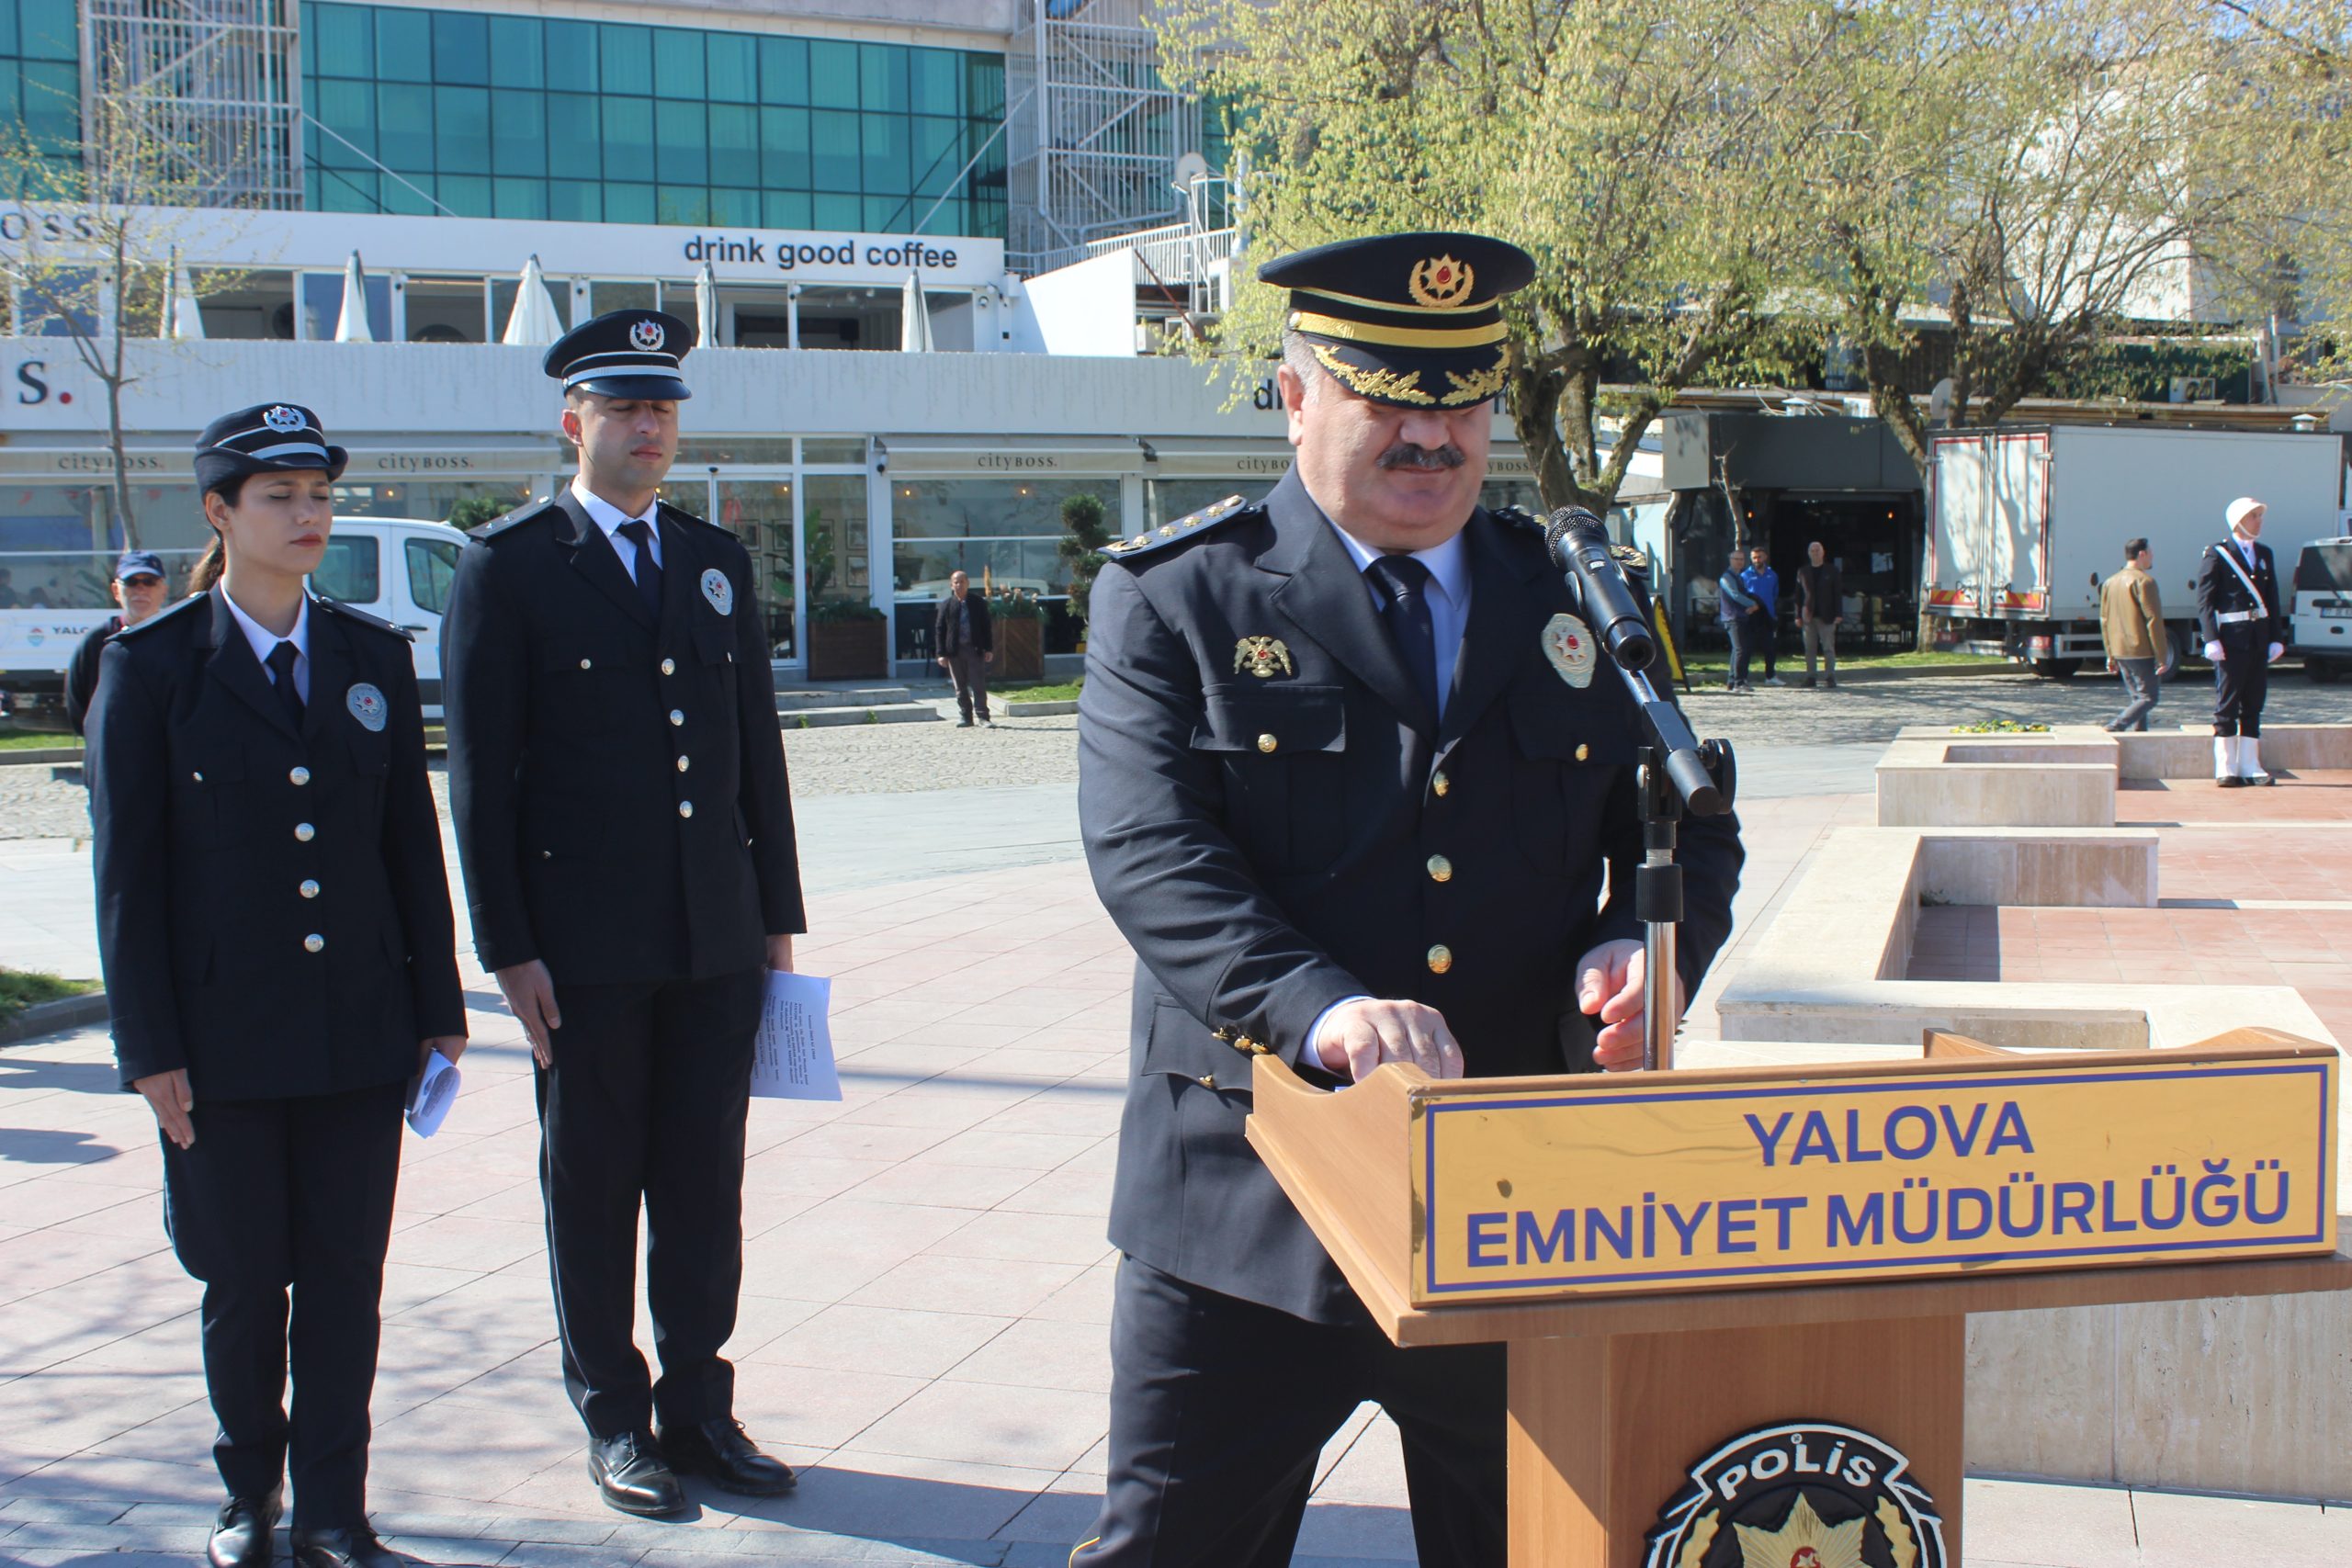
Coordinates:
[760,511]
[834,514]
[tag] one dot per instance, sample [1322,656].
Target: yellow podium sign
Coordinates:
[1636,1185]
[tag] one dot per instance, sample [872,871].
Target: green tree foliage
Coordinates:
[1084,533]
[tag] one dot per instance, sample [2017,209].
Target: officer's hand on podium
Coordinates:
[780,954]
[1608,987]
[529,991]
[169,1097]
[1357,1036]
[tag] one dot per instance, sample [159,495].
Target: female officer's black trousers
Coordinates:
[280,1195]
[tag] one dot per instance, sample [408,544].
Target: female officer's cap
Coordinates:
[269,438]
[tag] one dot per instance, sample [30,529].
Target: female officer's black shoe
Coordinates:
[240,1537]
[349,1548]
[721,1451]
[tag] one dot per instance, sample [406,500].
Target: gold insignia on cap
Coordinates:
[1475,387]
[1400,386]
[1439,281]
[1263,657]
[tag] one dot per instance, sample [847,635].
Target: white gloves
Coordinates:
[2213,652]
[2275,650]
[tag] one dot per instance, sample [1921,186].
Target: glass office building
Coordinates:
[41,73]
[456,112]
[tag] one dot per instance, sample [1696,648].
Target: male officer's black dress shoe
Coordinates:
[352,1547]
[719,1450]
[240,1537]
[628,1472]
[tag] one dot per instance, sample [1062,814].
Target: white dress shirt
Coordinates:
[1449,599]
[608,517]
[264,642]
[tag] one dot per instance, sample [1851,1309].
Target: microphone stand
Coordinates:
[1678,773]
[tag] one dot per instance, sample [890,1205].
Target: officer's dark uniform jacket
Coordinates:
[1272,845]
[601,763]
[272,906]
[2220,592]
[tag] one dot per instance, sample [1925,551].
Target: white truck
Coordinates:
[395,569]
[2024,523]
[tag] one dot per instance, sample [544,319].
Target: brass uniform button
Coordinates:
[1441,958]
[669,667]
[1267,743]
[1223,1035]
[1583,751]
[313,942]
[299,777]
[685,808]
[1441,869]
[1208,1080]
[304,832]
[309,889]
[1441,783]
[677,717]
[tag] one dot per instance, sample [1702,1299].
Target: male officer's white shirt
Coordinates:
[608,517]
[264,642]
[1449,565]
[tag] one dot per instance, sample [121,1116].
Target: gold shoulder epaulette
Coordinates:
[1193,525]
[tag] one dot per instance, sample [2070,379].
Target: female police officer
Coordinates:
[274,920]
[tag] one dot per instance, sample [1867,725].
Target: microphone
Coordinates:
[1580,544]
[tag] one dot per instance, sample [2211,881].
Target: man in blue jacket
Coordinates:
[1763,585]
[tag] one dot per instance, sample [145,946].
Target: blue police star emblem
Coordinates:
[1802,1494]
[718,591]
[367,705]
[646,335]
[282,419]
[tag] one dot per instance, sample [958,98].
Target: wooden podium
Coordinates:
[1694,1261]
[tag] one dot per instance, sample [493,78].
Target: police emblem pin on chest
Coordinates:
[1264,657]
[367,705]
[1567,643]
[718,591]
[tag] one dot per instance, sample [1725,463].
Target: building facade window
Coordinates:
[622,123]
[1006,533]
[41,73]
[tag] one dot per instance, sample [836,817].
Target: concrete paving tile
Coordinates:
[1070,1190]
[861,1492]
[1023,1151]
[531,1554]
[820,1407]
[1043,1429]
[2062,1526]
[468,1245]
[1030,1238]
[1086,1299]
[993,1286]
[841,1245]
[2184,1530]
[75,1557]
[896,1340]
[1357,1532]
[944,1184]
[864,1140]
[1030,1354]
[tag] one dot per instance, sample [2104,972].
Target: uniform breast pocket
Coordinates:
[579,681]
[1568,748]
[208,788]
[715,650]
[1282,751]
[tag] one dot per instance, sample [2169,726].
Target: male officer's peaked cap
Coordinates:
[1413,321]
[623,353]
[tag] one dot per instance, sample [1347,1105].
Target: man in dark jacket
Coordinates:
[1735,608]
[967,644]
[1821,606]
[138,587]
[623,816]
[1349,781]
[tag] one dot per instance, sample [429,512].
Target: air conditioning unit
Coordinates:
[2192,389]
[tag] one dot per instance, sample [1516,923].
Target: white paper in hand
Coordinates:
[793,1058]
[436,1090]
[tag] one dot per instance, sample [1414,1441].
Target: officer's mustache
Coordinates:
[1405,454]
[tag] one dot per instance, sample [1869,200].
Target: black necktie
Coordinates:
[649,570]
[1409,621]
[281,664]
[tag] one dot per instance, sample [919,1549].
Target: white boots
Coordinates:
[2238,762]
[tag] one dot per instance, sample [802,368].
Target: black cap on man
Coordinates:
[1413,321]
[623,353]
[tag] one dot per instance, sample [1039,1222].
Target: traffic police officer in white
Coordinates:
[2244,630]
[274,921]
[617,774]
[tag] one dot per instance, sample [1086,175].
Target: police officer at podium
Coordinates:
[1350,776]
[274,920]
[2244,630]
[625,825]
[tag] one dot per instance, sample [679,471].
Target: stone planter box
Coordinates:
[849,650]
[1020,650]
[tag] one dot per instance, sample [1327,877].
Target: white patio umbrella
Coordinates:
[533,319]
[706,306]
[914,318]
[352,325]
[188,318]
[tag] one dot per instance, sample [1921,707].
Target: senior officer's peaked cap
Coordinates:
[269,438]
[1413,321]
[623,353]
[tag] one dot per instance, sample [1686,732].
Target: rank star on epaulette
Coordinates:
[1263,657]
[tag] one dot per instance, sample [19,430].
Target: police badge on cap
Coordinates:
[623,353]
[268,438]
[1412,321]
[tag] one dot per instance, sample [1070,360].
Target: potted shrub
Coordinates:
[849,639]
[1019,635]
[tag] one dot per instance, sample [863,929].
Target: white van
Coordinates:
[394,568]
[2320,628]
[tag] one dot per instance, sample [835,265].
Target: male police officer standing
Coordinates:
[2237,611]
[626,827]
[1349,778]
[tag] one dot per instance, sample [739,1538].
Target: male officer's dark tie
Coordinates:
[281,664]
[1405,580]
[649,570]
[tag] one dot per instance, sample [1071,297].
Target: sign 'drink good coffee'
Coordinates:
[1631,1185]
[1802,1494]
